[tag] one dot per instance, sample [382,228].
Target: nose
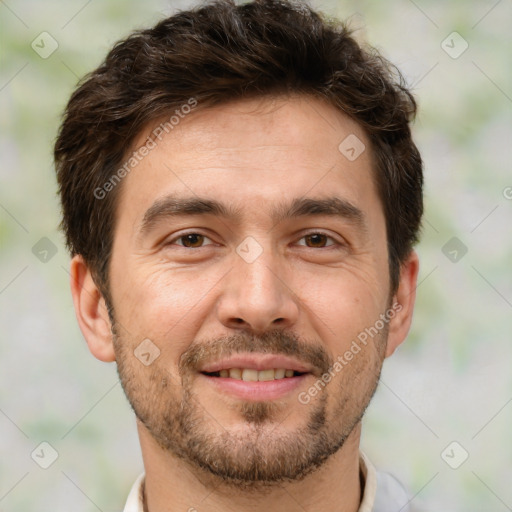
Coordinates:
[256,297]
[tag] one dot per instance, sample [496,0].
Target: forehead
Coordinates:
[250,153]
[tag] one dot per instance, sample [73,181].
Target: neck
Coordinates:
[172,484]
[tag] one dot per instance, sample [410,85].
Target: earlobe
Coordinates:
[91,311]
[403,303]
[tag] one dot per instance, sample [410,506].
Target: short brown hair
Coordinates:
[215,53]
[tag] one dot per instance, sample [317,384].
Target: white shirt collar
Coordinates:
[370,483]
[134,502]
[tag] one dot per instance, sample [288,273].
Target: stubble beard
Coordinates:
[261,453]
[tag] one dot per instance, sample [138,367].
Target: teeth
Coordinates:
[251,375]
[266,374]
[235,373]
[279,373]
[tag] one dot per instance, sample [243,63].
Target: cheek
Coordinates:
[345,299]
[163,304]
[343,313]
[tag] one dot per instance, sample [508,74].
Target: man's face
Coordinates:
[218,292]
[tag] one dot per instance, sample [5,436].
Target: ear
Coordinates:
[403,303]
[91,311]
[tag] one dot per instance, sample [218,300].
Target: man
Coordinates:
[241,197]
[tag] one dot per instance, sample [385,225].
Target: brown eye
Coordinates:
[317,240]
[190,240]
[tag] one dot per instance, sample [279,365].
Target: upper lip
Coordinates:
[257,362]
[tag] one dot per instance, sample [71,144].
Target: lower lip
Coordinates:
[260,390]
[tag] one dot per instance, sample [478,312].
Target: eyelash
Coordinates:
[183,235]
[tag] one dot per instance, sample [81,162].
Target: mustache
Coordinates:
[276,342]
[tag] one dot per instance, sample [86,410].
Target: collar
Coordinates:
[134,503]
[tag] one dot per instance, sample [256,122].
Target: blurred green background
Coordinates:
[451,381]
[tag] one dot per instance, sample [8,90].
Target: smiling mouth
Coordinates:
[252,375]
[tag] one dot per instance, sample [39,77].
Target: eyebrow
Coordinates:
[172,206]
